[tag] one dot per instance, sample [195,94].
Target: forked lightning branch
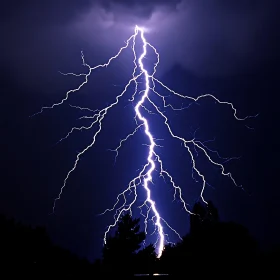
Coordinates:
[144,179]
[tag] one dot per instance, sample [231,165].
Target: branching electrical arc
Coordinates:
[146,174]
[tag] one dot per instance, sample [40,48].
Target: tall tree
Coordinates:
[120,250]
[146,260]
[205,216]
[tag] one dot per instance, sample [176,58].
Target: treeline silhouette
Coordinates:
[26,250]
[211,248]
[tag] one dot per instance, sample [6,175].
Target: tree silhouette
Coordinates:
[119,252]
[204,217]
[31,250]
[146,260]
[211,247]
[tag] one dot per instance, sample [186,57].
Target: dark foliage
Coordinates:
[212,248]
[122,250]
[215,248]
[27,251]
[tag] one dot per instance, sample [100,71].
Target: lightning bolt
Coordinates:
[146,174]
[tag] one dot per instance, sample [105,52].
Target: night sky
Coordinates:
[226,48]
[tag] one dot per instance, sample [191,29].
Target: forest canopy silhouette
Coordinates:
[212,247]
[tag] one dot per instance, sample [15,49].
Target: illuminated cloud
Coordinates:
[205,37]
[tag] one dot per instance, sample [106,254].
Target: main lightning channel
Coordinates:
[152,145]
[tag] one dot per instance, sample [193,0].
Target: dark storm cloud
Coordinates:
[207,37]
[42,12]
[221,37]
[61,11]
[138,7]
[36,38]
[40,36]
[214,37]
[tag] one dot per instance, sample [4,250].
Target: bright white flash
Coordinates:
[146,175]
